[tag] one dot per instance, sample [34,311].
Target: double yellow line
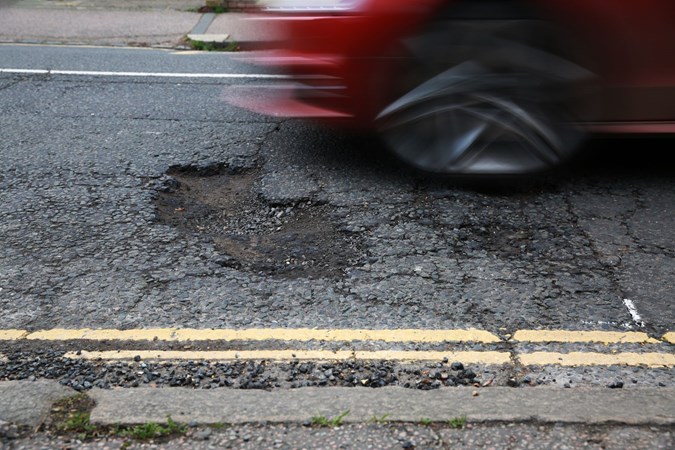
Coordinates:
[297,335]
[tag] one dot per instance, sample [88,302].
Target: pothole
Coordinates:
[290,241]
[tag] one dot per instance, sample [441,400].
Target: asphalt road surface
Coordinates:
[135,201]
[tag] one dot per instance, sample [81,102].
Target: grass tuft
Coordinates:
[322,421]
[71,415]
[229,46]
[379,419]
[457,422]
[152,430]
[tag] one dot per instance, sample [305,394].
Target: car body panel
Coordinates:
[345,64]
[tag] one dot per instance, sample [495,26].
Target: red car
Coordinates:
[473,86]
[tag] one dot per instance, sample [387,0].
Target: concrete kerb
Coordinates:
[29,403]
[544,405]
[541,405]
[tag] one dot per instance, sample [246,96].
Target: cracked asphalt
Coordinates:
[149,202]
[86,159]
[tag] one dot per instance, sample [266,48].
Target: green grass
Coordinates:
[379,419]
[229,46]
[152,430]
[71,415]
[205,9]
[322,421]
[78,422]
[457,422]
[426,421]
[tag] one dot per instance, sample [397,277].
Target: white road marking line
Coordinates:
[637,319]
[78,47]
[93,73]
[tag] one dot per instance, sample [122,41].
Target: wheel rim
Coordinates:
[497,106]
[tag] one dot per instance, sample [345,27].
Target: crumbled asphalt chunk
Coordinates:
[617,384]
[83,375]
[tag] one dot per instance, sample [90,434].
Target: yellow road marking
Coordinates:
[469,357]
[597,359]
[12,335]
[61,334]
[332,335]
[607,337]
[264,334]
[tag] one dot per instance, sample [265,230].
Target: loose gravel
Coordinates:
[82,375]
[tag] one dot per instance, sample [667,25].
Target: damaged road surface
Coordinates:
[152,235]
[136,203]
[294,240]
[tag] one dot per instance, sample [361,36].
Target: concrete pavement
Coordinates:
[138,23]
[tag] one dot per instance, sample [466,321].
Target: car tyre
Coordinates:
[486,93]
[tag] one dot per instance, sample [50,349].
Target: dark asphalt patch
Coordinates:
[299,240]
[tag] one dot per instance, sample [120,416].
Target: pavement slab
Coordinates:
[135,23]
[94,27]
[129,5]
[28,402]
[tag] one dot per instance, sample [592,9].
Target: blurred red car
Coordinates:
[473,86]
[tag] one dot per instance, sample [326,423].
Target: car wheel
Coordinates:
[485,93]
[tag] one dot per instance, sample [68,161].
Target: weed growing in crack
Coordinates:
[457,422]
[71,415]
[152,430]
[426,421]
[379,419]
[322,421]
